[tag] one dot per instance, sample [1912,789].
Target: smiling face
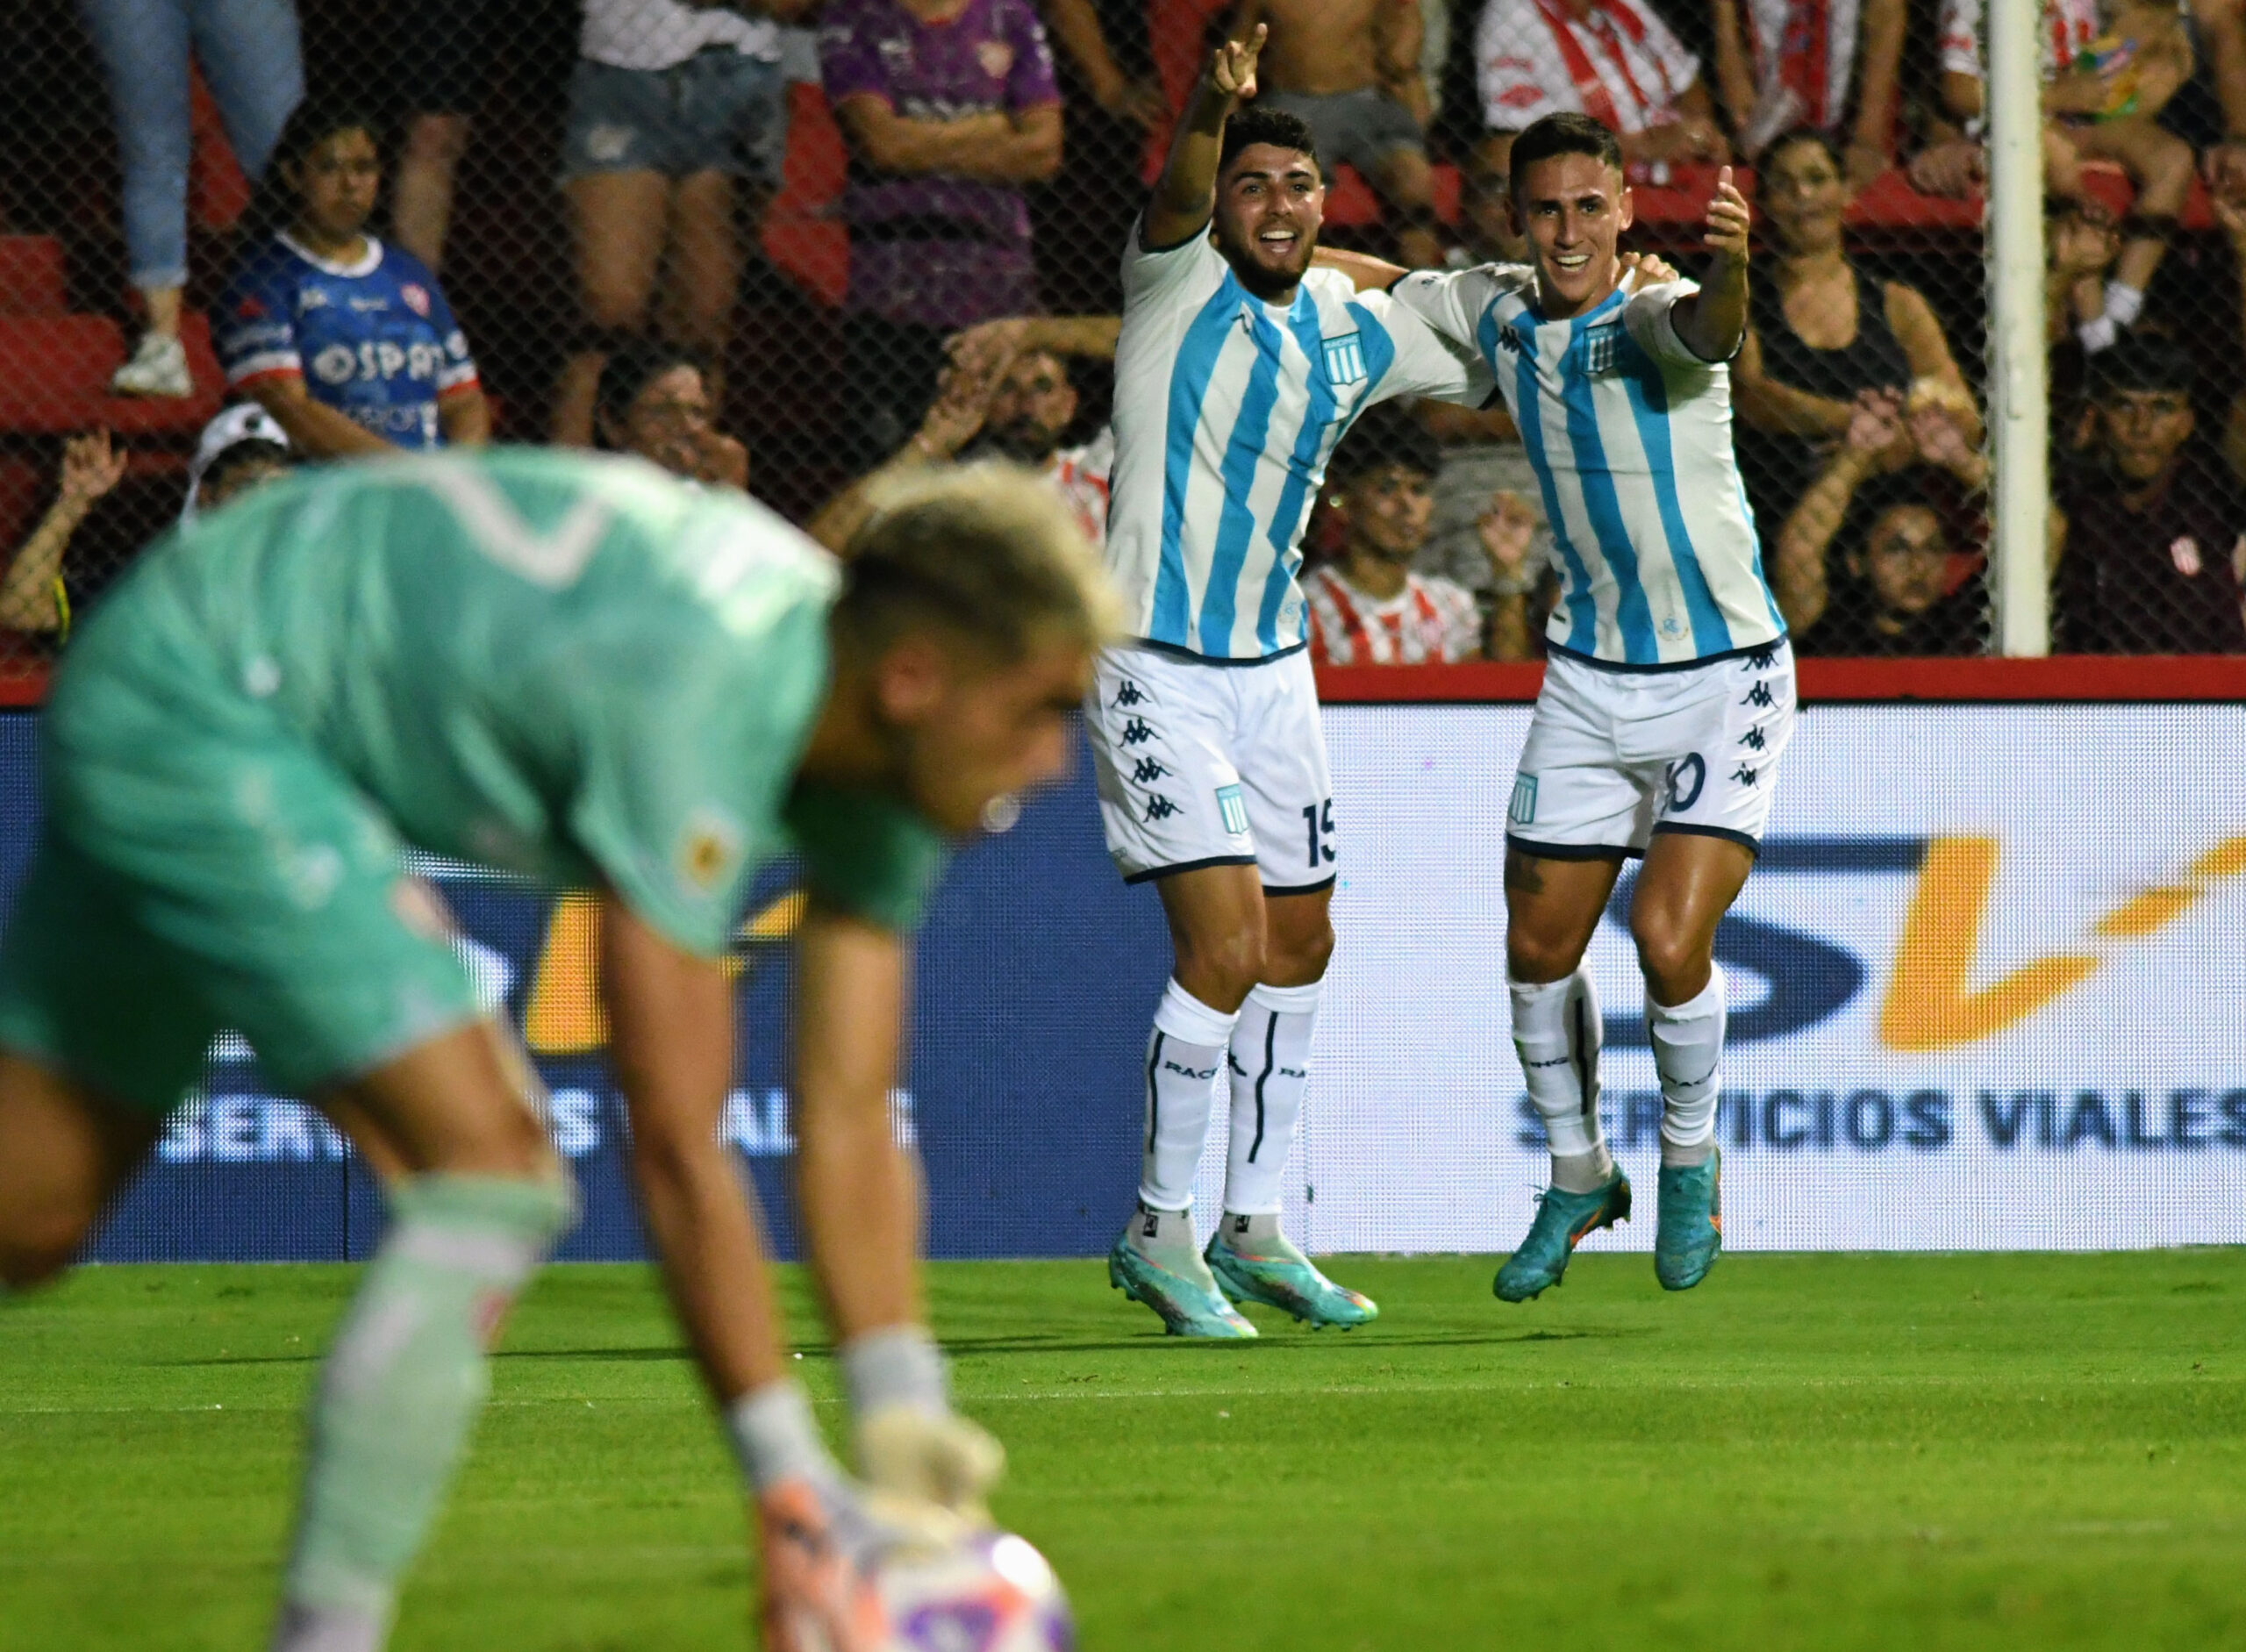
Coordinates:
[336,182]
[1270,204]
[1573,208]
[1804,196]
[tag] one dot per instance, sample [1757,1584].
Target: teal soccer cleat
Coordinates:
[1287,1280]
[1187,1307]
[1561,1221]
[1688,1233]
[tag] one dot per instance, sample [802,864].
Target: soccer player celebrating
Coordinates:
[1238,368]
[582,671]
[1669,697]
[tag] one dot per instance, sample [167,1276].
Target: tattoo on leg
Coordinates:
[1522,873]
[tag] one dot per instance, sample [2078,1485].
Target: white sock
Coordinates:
[1270,1070]
[1688,1053]
[1556,1032]
[2124,304]
[1184,1053]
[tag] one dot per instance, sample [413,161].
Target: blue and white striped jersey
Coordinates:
[1630,436]
[1227,409]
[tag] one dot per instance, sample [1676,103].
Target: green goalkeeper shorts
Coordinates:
[201,865]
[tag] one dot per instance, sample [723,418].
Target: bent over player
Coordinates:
[1669,694]
[578,670]
[1238,368]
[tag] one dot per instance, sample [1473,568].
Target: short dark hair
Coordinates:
[2141,361]
[1567,133]
[630,368]
[1258,124]
[1386,437]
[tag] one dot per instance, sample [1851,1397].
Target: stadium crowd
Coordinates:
[850,237]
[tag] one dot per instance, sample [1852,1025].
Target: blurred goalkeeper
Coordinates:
[585,673]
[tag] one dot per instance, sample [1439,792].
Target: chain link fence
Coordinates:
[741,244]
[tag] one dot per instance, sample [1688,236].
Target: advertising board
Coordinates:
[1988,991]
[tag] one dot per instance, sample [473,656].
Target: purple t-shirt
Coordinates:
[937,251]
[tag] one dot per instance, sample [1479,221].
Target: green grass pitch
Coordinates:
[1889,1452]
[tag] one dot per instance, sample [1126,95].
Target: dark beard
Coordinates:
[1027,445]
[1260,281]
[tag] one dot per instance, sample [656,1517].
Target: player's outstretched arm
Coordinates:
[1713,321]
[1186,196]
[1370,274]
[670,1038]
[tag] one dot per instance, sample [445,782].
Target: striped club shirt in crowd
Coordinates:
[1430,621]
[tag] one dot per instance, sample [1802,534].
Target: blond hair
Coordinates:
[988,551]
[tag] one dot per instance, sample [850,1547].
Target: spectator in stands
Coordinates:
[1367,606]
[1351,70]
[2147,529]
[1006,394]
[348,343]
[40,592]
[444,57]
[1822,333]
[655,401]
[948,107]
[670,103]
[2081,243]
[1899,592]
[241,448]
[33,596]
[1782,64]
[1613,60]
[252,63]
[2107,71]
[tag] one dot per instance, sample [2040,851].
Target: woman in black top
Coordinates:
[1821,332]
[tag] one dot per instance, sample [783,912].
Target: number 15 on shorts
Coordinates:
[1318,826]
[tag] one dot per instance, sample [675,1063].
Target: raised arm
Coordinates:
[1186,196]
[1716,322]
[1370,274]
[30,594]
[1799,571]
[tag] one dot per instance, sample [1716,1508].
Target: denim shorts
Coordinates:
[717,111]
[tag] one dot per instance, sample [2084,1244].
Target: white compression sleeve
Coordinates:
[1556,1032]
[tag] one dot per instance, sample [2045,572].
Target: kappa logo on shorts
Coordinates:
[1522,810]
[1161,808]
[1136,733]
[1753,740]
[1129,694]
[1148,771]
[1345,358]
[1234,809]
[1745,775]
[1759,696]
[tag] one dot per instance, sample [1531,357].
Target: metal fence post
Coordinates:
[2018,382]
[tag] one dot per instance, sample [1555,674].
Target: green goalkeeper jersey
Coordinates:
[573,667]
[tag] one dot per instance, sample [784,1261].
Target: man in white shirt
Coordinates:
[1238,368]
[1614,60]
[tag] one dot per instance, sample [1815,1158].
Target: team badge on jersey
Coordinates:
[1345,358]
[416,296]
[709,848]
[1602,348]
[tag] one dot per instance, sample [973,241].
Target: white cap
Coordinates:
[246,421]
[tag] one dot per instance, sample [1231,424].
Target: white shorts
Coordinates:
[1614,757]
[1200,764]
